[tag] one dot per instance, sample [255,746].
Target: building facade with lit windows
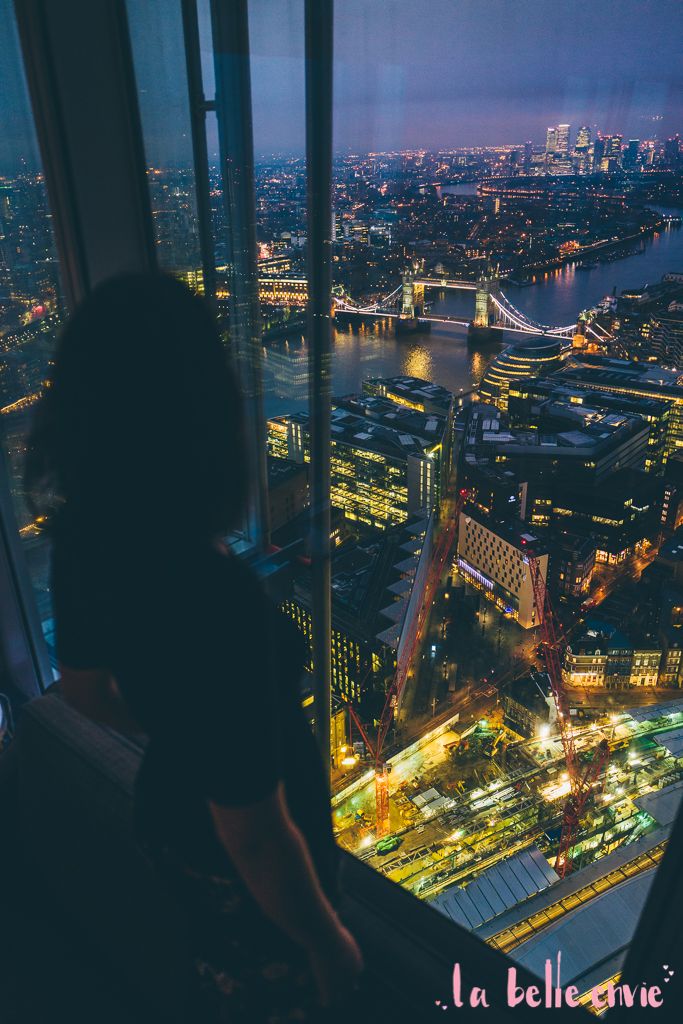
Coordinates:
[535,356]
[631,380]
[493,558]
[379,475]
[283,291]
[376,584]
[538,404]
[572,561]
[612,662]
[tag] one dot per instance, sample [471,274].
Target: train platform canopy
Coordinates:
[593,938]
[497,889]
[671,741]
[648,712]
[590,879]
[662,805]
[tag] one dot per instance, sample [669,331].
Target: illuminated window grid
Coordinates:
[368,486]
[347,668]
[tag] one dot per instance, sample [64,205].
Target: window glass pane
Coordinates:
[30,299]
[279,108]
[498,211]
[165,114]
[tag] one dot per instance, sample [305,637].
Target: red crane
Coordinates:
[581,779]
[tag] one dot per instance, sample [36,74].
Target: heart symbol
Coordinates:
[666,967]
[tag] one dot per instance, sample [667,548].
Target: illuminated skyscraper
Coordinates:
[562,148]
[583,139]
[611,159]
[631,153]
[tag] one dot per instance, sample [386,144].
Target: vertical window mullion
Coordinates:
[230,31]
[198,111]
[319,36]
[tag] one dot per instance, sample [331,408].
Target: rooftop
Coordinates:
[425,425]
[413,389]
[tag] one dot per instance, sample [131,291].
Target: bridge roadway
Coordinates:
[431,318]
[444,282]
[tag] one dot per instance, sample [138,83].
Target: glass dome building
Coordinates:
[534,356]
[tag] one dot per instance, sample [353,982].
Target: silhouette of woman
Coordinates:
[138,450]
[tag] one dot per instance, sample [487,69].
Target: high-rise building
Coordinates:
[583,139]
[582,158]
[612,153]
[557,140]
[562,139]
[631,154]
[672,151]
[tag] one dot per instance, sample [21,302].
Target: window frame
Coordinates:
[84,224]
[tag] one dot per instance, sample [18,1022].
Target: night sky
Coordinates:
[432,73]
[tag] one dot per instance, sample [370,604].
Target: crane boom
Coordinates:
[581,782]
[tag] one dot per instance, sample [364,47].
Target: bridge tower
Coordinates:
[413,296]
[488,284]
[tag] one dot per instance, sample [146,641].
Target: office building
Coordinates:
[631,379]
[412,392]
[583,139]
[557,141]
[631,154]
[543,404]
[376,590]
[283,292]
[492,556]
[534,356]
[580,445]
[666,334]
[380,475]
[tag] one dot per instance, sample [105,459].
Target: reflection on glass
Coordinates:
[30,305]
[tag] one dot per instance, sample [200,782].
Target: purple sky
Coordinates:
[409,73]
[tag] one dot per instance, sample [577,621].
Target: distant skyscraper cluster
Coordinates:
[598,153]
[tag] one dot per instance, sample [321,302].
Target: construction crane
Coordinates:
[581,779]
[410,645]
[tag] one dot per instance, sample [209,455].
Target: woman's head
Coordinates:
[141,427]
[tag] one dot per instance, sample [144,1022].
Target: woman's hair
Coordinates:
[141,426]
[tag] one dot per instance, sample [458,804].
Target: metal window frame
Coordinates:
[102,218]
[231,55]
[319,28]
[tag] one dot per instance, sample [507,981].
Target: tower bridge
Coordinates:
[493,311]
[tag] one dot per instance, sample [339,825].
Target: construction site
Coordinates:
[516,817]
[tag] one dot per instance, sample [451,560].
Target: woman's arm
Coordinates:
[274,861]
[95,694]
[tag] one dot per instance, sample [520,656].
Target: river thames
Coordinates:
[442,355]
